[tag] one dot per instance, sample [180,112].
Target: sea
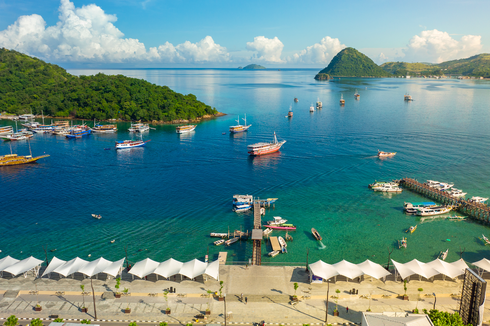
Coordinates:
[163,201]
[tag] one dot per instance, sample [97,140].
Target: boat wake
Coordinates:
[322,246]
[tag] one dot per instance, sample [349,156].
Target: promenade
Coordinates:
[267,290]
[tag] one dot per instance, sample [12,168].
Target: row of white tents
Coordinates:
[171,267]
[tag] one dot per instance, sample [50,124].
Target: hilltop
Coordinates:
[254,66]
[405,68]
[351,63]
[32,84]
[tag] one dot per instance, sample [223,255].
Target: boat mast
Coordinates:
[275,138]
[29,143]
[238,121]
[42,116]
[245,119]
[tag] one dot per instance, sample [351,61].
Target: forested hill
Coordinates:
[31,84]
[351,63]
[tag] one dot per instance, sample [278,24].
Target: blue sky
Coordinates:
[158,33]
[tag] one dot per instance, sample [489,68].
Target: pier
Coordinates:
[257,235]
[475,210]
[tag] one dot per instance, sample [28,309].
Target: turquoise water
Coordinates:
[162,201]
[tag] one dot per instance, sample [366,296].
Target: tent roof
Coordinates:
[55,263]
[71,266]
[483,264]
[114,268]
[6,262]
[323,270]
[169,268]
[347,269]
[23,266]
[95,267]
[449,269]
[144,268]
[414,267]
[373,269]
[193,268]
[213,270]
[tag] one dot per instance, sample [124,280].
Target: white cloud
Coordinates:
[318,53]
[437,46]
[268,50]
[382,58]
[87,34]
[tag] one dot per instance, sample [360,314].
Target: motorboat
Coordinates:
[218,235]
[266,232]
[219,242]
[283,245]
[388,188]
[289,227]
[411,208]
[185,129]
[290,112]
[125,144]
[402,243]
[243,199]
[477,199]
[265,148]
[443,254]
[277,221]
[319,105]
[273,253]
[356,95]
[97,216]
[312,108]
[439,185]
[408,98]
[382,183]
[296,100]
[382,154]
[231,241]
[242,208]
[412,229]
[485,239]
[316,234]
[139,127]
[458,193]
[431,211]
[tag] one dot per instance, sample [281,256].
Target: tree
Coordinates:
[442,318]
[36,322]
[295,288]
[405,288]
[220,289]
[133,324]
[337,300]
[58,320]
[11,321]
[85,321]
[163,323]
[83,294]
[420,293]
[165,295]
[118,285]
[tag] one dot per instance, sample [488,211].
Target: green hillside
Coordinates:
[351,63]
[406,68]
[254,66]
[32,84]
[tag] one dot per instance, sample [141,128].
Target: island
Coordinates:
[32,85]
[253,66]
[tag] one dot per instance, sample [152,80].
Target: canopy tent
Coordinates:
[71,267]
[414,267]
[55,263]
[483,264]
[373,269]
[193,268]
[95,267]
[144,268]
[23,266]
[168,268]
[5,262]
[213,270]
[115,268]
[323,270]
[451,270]
[347,269]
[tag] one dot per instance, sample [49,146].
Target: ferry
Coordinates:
[382,154]
[265,148]
[342,101]
[100,129]
[431,211]
[124,144]
[185,129]
[79,132]
[6,130]
[356,95]
[240,128]
[139,127]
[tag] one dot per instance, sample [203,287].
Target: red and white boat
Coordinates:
[265,148]
[123,144]
[289,227]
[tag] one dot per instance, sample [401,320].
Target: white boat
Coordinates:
[125,144]
[242,208]
[439,185]
[273,253]
[388,188]
[242,199]
[60,131]
[6,130]
[139,127]
[431,183]
[185,129]
[312,108]
[477,199]
[382,183]
[430,211]
[23,135]
[96,216]
[456,193]
[218,235]
[485,239]
[219,242]
[239,128]
[277,221]
[265,148]
[443,254]
[266,232]
[104,129]
[26,117]
[283,245]
[382,154]
[411,208]
[231,241]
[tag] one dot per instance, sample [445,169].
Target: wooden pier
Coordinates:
[477,211]
[257,235]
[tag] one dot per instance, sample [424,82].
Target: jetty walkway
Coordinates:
[478,211]
[257,235]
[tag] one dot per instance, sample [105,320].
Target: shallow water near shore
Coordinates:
[162,201]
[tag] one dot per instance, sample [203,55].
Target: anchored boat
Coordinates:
[443,254]
[231,241]
[412,229]
[402,243]
[356,95]
[430,211]
[139,127]
[411,208]
[283,245]
[382,154]
[342,101]
[240,128]
[185,129]
[125,144]
[281,227]
[316,234]
[265,148]
[277,221]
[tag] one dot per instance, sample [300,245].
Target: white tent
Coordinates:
[373,269]
[95,267]
[144,268]
[193,268]
[6,262]
[451,270]
[55,263]
[323,270]
[71,267]
[347,269]
[169,268]
[213,270]
[483,264]
[24,266]
[414,267]
[114,268]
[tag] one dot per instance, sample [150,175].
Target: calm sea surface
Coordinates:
[162,201]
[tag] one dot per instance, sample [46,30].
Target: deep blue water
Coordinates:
[162,201]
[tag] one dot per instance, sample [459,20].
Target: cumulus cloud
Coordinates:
[437,46]
[318,53]
[88,34]
[382,58]
[268,50]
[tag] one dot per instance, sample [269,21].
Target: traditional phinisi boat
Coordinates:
[231,241]
[242,208]
[273,253]
[240,128]
[430,211]
[283,245]
[382,154]
[316,234]
[97,216]
[139,127]
[265,148]
[104,129]
[6,130]
[342,101]
[185,129]
[411,208]
[443,254]
[219,242]
[125,144]
[277,221]
[356,95]
[14,159]
[412,229]
[402,243]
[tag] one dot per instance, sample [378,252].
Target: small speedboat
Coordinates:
[412,229]
[283,245]
[113,240]
[231,241]
[296,99]
[219,242]
[273,253]
[316,234]
[242,208]
[485,239]
[458,193]
[97,216]
[443,254]
[266,232]
[312,108]
[277,221]
[387,188]
[382,154]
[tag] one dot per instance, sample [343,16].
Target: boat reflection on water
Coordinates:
[239,135]
[186,135]
[268,160]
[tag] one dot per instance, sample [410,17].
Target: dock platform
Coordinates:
[275,244]
[222,257]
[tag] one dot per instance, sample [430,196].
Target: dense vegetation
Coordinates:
[32,84]
[351,63]
[413,69]
[254,66]
[442,318]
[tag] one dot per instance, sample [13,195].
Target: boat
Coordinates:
[14,159]
[316,234]
[458,193]
[319,105]
[97,216]
[388,188]
[231,241]
[262,211]
[382,183]
[219,242]
[382,154]
[273,253]
[412,229]
[476,199]
[456,217]
[242,199]
[60,131]
[125,144]
[342,101]
[485,239]
[6,130]
[41,128]
[402,243]
[242,208]
[411,208]
[281,227]
[104,129]
[79,132]
[240,128]
[277,221]
[266,232]
[430,211]
[312,108]
[26,117]
[283,245]
[356,95]
[139,127]
[23,135]
[408,97]
[265,148]
[218,235]
[185,129]
[296,100]
[113,240]
[443,254]
[290,113]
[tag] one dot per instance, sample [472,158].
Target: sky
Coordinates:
[227,34]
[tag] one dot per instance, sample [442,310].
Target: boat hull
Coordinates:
[271,149]
[276,227]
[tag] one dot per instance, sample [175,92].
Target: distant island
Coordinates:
[30,84]
[253,66]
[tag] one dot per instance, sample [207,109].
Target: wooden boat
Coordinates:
[14,159]
[443,254]
[402,243]
[411,208]
[185,129]
[382,154]
[97,216]
[273,253]
[316,234]
[240,128]
[125,144]
[266,232]
[485,239]
[412,229]
[219,242]
[296,99]
[283,245]
[356,95]
[408,97]
[231,241]
[218,235]
[281,227]
[342,101]
[431,211]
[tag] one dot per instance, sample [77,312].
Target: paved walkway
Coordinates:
[267,289]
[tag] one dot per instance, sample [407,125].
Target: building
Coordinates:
[395,319]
